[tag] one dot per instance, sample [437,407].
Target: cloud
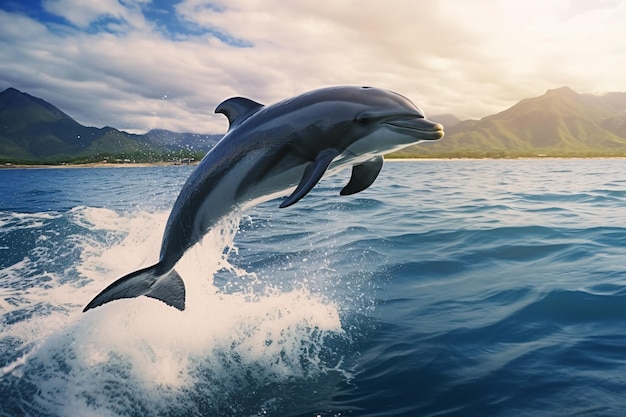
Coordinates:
[138,65]
[114,15]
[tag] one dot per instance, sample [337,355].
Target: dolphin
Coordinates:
[270,151]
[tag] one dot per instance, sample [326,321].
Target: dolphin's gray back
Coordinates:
[264,153]
[182,230]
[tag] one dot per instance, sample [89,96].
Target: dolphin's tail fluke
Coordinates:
[151,282]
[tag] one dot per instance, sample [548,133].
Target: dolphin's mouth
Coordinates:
[416,126]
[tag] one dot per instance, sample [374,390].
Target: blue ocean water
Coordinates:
[448,288]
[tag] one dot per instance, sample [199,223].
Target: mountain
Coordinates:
[34,131]
[559,123]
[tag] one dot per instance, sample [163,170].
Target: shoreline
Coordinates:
[521,158]
[167,164]
[95,165]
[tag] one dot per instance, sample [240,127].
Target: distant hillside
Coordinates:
[34,131]
[559,123]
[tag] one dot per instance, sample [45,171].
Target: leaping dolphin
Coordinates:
[269,150]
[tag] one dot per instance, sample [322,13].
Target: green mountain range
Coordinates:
[560,123]
[34,131]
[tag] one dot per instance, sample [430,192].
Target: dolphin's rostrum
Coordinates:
[267,152]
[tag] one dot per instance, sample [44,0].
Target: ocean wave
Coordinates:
[224,346]
[447,288]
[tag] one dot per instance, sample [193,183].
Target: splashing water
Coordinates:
[139,356]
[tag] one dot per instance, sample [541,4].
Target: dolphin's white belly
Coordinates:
[227,195]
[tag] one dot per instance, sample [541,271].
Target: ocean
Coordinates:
[448,288]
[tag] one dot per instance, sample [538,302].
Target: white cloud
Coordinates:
[467,57]
[83,13]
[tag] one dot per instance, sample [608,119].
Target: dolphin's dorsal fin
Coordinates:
[238,109]
[363,176]
[312,174]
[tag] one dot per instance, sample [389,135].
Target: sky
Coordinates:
[139,64]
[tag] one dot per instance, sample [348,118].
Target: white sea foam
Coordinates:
[10,221]
[139,355]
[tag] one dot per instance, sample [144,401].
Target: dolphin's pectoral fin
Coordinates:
[363,176]
[168,288]
[313,173]
[238,109]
